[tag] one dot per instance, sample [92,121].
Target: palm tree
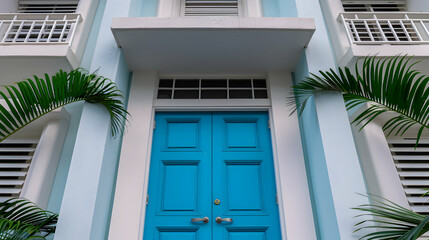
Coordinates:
[28,100]
[34,98]
[386,85]
[21,219]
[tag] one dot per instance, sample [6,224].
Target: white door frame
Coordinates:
[129,208]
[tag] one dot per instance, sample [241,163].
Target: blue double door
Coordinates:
[212,178]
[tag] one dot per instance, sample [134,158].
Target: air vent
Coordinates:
[211,8]
[412,165]
[15,159]
[48,6]
[374,6]
[212,89]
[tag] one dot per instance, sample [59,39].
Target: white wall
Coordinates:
[336,30]
[8,6]
[418,5]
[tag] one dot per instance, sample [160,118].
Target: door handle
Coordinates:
[205,220]
[219,220]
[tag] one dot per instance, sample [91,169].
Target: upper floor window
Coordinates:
[15,160]
[412,165]
[47,6]
[374,6]
[211,8]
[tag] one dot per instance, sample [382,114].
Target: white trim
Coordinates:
[129,206]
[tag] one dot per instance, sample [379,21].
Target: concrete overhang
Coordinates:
[19,62]
[212,44]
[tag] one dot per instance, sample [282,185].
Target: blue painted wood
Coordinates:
[200,157]
[180,186]
[243,177]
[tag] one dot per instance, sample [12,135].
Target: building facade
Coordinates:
[211,150]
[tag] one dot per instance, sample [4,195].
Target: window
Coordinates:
[48,6]
[413,170]
[212,89]
[15,160]
[374,6]
[211,8]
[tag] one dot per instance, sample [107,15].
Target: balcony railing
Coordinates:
[386,28]
[37,28]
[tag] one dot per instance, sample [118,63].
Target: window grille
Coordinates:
[15,159]
[413,170]
[211,8]
[212,89]
[374,6]
[47,6]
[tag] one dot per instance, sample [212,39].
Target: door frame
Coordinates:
[142,101]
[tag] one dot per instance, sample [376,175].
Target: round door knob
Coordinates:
[217,202]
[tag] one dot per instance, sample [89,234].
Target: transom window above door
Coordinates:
[212,89]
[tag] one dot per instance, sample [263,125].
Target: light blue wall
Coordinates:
[333,166]
[90,186]
[279,8]
[75,112]
[317,172]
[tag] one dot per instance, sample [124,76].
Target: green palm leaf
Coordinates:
[390,84]
[30,99]
[21,219]
[391,221]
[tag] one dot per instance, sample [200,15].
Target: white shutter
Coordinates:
[211,8]
[15,160]
[413,170]
[374,5]
[48,6]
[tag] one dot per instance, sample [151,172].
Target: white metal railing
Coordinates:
[386,28]
[25,28]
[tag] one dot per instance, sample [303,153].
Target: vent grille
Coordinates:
[413,169]
[15,159]
[212,89]
[375,6]
[51,6]
[211,8]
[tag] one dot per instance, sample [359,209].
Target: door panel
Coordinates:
[200,157]
[180,177]
[243,177]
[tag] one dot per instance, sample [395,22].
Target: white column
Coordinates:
[130,196]
[377,164]
[41,174]
[292,186]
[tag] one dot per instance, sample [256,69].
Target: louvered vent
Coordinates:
[413,169]
[48,6]
[211,8]
[15,159]
[375,6]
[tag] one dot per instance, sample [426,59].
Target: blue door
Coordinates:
[212,177]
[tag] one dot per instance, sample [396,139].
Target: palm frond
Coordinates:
[22,219]
[391,221]
[390,84]
[28,100]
